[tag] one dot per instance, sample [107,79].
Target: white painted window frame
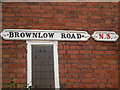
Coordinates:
[29,60]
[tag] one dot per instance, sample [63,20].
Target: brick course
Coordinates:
[87,64]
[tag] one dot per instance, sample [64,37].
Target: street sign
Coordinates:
[105,36]
[60,35]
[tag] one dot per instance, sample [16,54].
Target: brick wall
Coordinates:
[89,64]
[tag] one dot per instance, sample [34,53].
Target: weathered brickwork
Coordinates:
[88,64]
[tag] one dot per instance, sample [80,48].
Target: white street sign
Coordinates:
[60,35]
[105,36]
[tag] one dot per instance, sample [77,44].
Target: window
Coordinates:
[42,64]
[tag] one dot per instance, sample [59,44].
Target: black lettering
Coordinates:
[78,36]
[22,35]
[45,35]
[68,35]
[34,35]
[16,34]
[73,36]
[51,35]
[11,34]
[39,35]
[28,35]
[63,35]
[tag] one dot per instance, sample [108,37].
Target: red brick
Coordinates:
[108,86]
[59,7]
[112,57]
[85,52]
[66,20]
[20,50]
[98,61]
[86,71]
[106,66]
[89,85]
[25,75]
[93,66]
[5,76]
[100,57]
[101,85]
[96,17]
[18,65]
[115,85]
[75,76]
[46,15]
[100,81]
[60,47]
[86,66]
[12,75]
[9,14]
[46,7]
[87,80]
[21,23]
[76,56]
[21,85]
[100,71]
[69,86]
[86,61]
[74,80]
[63,81]
[82,17]
[62,61]
[113,66]
[62,75]
[112,71]
[70,8]
[88,75]
[98,52]
[20,61]
[11,6]
[113,81]
[73,70]
[34,7]
[66,56]
[60,56]
[68,75]
[83,25]
[72,24]
[62,52]
[6,80]
[21,55]
[73,61]
[13,56]
[8,46]
[5,55]
[19,70]
[8,23]
[5,65]
[59,16]
[72,51]
[62,66]
[85,56]
[63,70]
[82,85]
[74,66]
[104,47]
[110,52]
[20,81]
[111,62]
[76,86]
[67,65]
